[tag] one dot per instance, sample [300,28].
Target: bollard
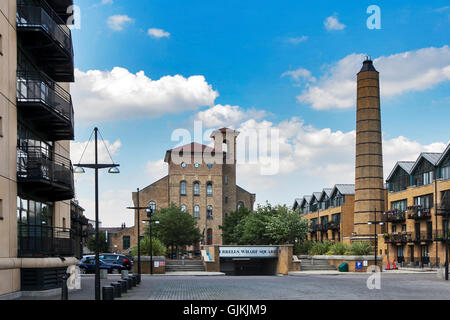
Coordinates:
[117,289]
[64,289]
[103,274]
[129,283]
[138,278]
[134,282]
[124,285]
[108,293]
[124,274]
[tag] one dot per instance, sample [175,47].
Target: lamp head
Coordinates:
[114,170]
[79,170]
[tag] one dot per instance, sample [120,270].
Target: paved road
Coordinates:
[335,287]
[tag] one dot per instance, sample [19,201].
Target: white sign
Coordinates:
[248,252]
[156,264]
[365,264]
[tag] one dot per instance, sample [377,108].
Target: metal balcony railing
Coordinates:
[394,216]
[44,17]
[34,87]
[397,237]
[333,225]
[42,240]
[38,167]
[439,235]
[421,236]
[419,213]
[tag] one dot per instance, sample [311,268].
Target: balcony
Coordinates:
[443,209]
[394,216]
[61,8]
[47,105]
[44,241]
[333,225]
[42,32]
[397,237]
[418,237]
[439,235]
[322,227]
[44,177]
[419,213]
[314,228]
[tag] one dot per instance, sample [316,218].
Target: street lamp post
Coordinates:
[138,208]
[113,168]
[149,215]
[445,211]
[375,222]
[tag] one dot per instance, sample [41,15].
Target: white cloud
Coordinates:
[157,169]
[332,23]
[299,73]
[77,149]
[408,71]
[158,33]
[118,22]
[297,40]
[119,94]
[227,116]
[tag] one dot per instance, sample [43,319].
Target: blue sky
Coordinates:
[242,49]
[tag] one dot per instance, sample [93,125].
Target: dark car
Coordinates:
[87,265]
[121,259]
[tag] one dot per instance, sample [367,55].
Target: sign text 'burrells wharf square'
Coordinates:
[249,252]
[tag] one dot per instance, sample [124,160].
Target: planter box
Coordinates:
[159,265]
[351,260]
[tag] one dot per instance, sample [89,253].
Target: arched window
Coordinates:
[196,188]
[196,211]
[183,188]
[224,146]
[209,189]
[152,205]
[183,208]
[209,212]
[239,205]
[209,237]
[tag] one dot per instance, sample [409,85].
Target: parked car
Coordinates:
[87,265]
[121,259]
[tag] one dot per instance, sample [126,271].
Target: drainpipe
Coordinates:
[435,210]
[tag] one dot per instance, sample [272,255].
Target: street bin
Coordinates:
[343,267]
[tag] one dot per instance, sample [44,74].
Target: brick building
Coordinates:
[202,181]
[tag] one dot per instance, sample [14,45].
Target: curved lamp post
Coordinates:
[113,168]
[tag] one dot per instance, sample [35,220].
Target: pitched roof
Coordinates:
[446,151]
[345,188]
[192,147]
[307,199]
[431,157]
[316,195]
[405,165]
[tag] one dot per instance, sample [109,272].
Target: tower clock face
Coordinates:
[183,165]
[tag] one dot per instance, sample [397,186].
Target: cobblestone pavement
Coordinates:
[334,287]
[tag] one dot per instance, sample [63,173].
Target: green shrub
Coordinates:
[320,248]
[361,248]
[158,248]
[303,247]
[339,249]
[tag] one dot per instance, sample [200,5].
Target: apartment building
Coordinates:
[330,212]
[418,198]
[36,126]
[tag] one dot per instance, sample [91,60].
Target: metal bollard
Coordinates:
[108,293]
[129,283]
[117,289]
[64,289]
[138,278]
[134,281]
[124,284]
[124,274]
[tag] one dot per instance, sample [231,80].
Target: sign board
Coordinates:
[358,265]
[248,252]
[156,264]
[365,263]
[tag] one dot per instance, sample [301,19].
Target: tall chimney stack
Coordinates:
[369,182]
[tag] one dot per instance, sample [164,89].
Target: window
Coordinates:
[64,223]
[240,204]
[1,209]
[183,208]
[445,171]
[183,165]
[427,177]
[183,188]
[394,228]
[196,165]
[226,199]
[209,238]
[209,212]
[126,242]
[399,205]
[404,227]
[152,205]
[209,189]
[1,45]
[196,211]
[425,201]
[209,165]
[226,179]
[196,189]
[1,127]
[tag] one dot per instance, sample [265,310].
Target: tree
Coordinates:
[176,228]
[103,245]
[231,234]
[158,248]
[286,226]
